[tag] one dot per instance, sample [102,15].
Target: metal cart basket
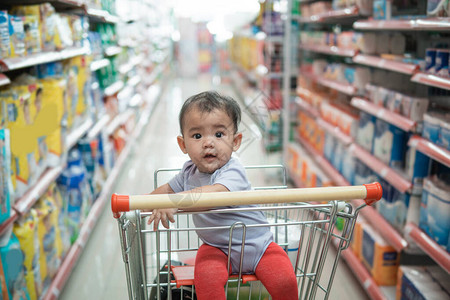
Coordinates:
[159,264]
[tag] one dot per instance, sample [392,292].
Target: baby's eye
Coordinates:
[219,134]
[197,136]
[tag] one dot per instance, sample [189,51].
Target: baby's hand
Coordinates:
[162,215]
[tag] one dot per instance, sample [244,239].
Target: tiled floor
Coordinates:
[100,272]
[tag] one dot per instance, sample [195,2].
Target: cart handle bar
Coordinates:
[121,203]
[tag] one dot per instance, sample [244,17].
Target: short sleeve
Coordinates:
[232,176]
[177,182]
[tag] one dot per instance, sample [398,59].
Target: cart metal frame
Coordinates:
[304,230]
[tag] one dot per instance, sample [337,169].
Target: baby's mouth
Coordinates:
[209,156]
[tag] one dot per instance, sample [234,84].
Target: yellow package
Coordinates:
[356,242]
[380,258]
[26,231]
[32,34]
[29,85]
[49,235]
[48,20]
[62,239]
[22,143]
[52,121]
[17,36]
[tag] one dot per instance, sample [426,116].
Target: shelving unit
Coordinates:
[98,207]
[384,114]
[430,149]
[386,64]
[394,177]
[136,106]
[10,64]
[429,246]
[432,80]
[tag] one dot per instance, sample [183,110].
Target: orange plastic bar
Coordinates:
[369,192]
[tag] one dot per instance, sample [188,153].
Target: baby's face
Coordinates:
[209,139]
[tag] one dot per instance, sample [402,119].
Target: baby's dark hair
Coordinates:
[209,101]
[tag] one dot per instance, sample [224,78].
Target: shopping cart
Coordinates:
[160,264]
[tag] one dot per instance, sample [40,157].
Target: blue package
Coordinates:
[6,188]
[417,166]
[389,144]
[366,131]
[431,126]
[444,135]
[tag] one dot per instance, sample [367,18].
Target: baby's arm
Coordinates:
[167,214]
[162,214]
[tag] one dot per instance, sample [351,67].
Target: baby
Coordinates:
[209,127]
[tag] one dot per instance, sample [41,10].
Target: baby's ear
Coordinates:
[181,144]
[237,141]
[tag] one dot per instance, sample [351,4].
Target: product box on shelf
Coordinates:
[17,36]
[6,191]
[419,282]
[399,208]
[417,166]
[435,210]
[5,44]
[366,131]
[34,261]
[12,270]
[55,98]
[356,243]
[379,257]
[389,144]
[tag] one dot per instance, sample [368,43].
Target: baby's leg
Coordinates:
[210,274]
[275,271]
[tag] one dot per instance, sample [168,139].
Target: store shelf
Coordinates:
[8,222]
[125,68]
[27,201]
[113,88]
[387,64]
[379,167]
[117,121]
[365,279]
[429,246]
[432,24]
[134,81]
[305,106]
[99,64]
[58,4]
[345,88]
[113,50]
[323,163]
[335,131]
[4,80]
[384,114]
[98,127]
[430,149]
[98,15]
[332,16]
[331,50]
[78,132]
[432,80]
[9,64]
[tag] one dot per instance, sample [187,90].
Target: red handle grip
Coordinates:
[374,192]
[119,203]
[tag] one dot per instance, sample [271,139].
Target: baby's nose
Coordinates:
[208,142]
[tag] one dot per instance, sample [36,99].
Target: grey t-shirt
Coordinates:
[232,175]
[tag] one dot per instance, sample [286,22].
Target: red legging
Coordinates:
[274,270]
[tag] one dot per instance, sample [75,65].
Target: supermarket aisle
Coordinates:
[100,272]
